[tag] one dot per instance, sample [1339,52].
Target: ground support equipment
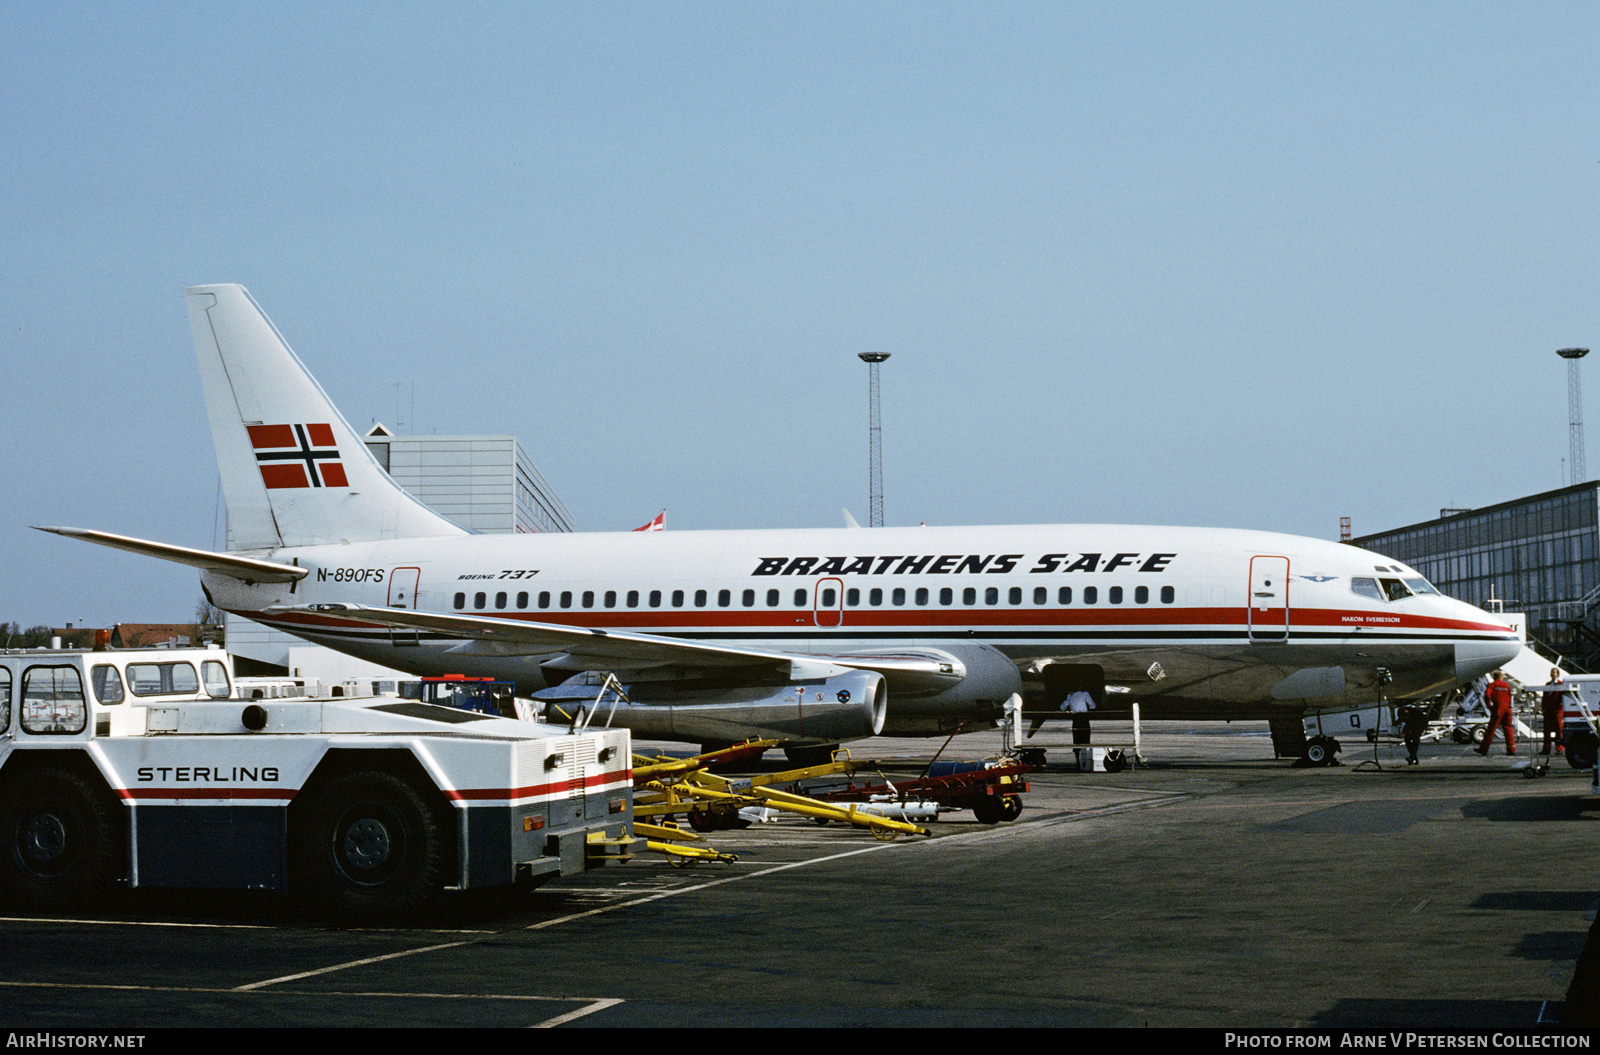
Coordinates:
[129,768]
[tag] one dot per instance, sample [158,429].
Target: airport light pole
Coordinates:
[1574,412]
[875,434]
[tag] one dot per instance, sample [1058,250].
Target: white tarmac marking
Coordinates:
[593,1003]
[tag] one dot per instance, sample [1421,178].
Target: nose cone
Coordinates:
[1477,658]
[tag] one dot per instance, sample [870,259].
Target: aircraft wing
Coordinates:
[584,648]
[247,569]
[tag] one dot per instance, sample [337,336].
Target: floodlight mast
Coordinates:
[1574,413]
[875,434]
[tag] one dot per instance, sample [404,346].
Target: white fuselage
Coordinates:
[1188,621]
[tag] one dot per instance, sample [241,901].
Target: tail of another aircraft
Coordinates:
[293,470]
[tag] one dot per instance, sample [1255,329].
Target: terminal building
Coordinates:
[486,484]
[1539,555]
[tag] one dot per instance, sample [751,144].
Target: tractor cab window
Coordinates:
[52,701]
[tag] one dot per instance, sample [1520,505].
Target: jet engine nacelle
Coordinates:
[976,702]
[830,710]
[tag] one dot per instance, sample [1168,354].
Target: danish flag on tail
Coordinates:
[297,455]
[659,523]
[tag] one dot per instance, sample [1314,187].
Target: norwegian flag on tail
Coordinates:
[658,524]
[298,455]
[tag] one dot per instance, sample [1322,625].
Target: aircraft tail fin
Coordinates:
[294,472]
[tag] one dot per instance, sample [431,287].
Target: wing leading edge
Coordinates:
[913,671]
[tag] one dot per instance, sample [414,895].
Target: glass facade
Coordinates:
[1537,555]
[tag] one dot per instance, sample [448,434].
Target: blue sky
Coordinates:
[1249,265]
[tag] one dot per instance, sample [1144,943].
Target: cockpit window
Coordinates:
[1394,589]
[1366,588]
[1421,586]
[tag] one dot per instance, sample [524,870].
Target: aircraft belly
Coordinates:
[1250,680]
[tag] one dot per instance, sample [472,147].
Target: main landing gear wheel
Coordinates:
[815,755]
[60,840]
[1581,750]
[374,846]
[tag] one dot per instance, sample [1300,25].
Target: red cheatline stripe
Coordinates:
[135,794]
[613,779]
[868,619]
[617,779]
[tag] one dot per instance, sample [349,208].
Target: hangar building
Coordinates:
[1539,555]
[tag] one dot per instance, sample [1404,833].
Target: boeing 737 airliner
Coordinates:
[808,636]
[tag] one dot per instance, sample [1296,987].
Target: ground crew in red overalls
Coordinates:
[1498,699]
[1550,705]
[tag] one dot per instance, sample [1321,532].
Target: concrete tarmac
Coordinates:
[1215,887]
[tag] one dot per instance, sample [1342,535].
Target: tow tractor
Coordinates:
[142,767]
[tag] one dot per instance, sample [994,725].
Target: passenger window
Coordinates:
[461,601]
[991,595]
[1141,595]
[947,596]
[611,598]
[107,684]
[749,598]
[922,595]
[522,599]
[1065,596]
[874,597]
[52,701]
[500,600]
[699,598]
[544,598]
[1041,595]
[588,598]
[969,596]
[1014,595]
[1091,594]
[480,600]
[1114,595]
[772,598]
[827,597]
[633,598]
[1168,595]
[800,598]
[655,598]
[852,597]
[566,598]
[724,598]
[677,598]
[899,595]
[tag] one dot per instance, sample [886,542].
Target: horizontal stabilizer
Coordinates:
[246,569]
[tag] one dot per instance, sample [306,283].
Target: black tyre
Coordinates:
[373,847]
[1116,761]
[1010,807]
[61,841]
[1581,748]
[806,757]
[1477,732]
[991,809]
